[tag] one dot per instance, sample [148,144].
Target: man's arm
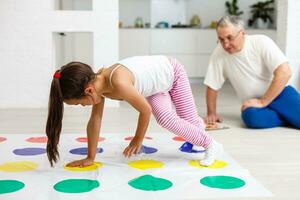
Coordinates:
[211,103]
[281,77]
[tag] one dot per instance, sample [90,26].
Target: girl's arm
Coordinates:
[127,92]
[93,130]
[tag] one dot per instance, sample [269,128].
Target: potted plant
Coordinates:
[262,14]
[232,8]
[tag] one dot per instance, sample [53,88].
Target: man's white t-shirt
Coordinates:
[250,71]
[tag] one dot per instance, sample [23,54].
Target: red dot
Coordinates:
[178,138]
[2,139]
[42,139]
[130,138]
[84,139]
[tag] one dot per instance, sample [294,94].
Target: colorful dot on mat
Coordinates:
[29,151]
[83,151]
[150,183]
[188,148]
[146,164]
[222,182]
[92,167]
[216,165]
[179,139]
[2,139]
[76,185]
[20,166]
[131,137]
[148,150]
[9,186]
[84,139]
[37,139]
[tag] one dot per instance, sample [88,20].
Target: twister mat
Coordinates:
[167,168]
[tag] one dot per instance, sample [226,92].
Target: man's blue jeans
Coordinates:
[284,110]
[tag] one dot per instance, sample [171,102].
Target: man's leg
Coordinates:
[261,118]
[287,105]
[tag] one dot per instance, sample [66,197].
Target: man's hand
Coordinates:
[211,126]
[211,119]
[256,103]
[81,163]
[133,147]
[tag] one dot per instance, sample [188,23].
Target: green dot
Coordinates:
[150,183]
[8,186]
[222,182]
[76,185]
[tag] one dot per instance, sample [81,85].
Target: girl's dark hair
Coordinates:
[70,84]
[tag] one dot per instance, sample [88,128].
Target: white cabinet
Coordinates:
[180,44]
[134,42]
[192,47]
[206,41]
[181,41]
[269,32]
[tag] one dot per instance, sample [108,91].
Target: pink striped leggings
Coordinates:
[184,120]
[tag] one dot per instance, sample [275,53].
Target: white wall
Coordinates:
[171,11]
[152,11]
[212,10]
[131,9]
[208,10]
[26,50]
[288,35]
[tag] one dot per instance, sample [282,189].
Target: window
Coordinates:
[73,46]
[73,4]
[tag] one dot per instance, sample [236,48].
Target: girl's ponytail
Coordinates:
[68,83]
[54,121]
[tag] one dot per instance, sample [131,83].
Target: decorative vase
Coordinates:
[195,21]
[139,23]
[260,24]
[213,24]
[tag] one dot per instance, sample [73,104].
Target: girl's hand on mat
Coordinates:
[256,103]
[133,147]
[212,119]
[81,163]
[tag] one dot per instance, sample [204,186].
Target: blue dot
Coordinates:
[83,151]
[148,150]
[188,148]
[29,151]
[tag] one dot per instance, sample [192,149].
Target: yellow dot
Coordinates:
[94,166]
[216,165]
[18,166]
[146,164]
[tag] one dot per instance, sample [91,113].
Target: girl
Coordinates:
[151,84]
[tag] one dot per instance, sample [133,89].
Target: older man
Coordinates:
[258,71]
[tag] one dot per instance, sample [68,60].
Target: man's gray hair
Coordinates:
[231,20]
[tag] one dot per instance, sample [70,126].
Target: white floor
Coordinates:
[272,155]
